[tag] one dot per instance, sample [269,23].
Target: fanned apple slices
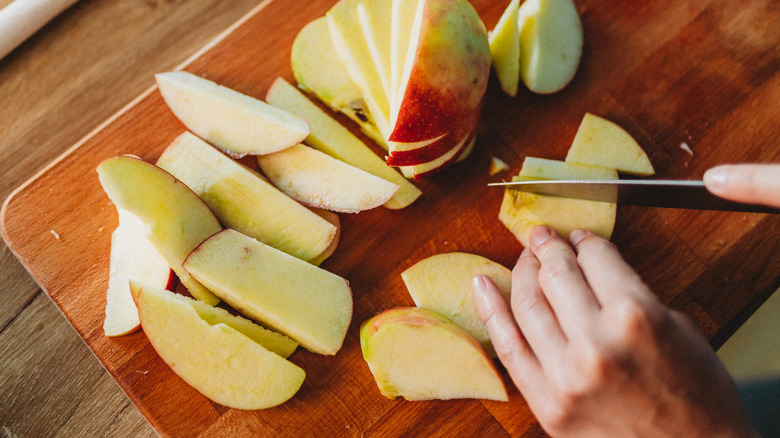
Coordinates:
[420,66]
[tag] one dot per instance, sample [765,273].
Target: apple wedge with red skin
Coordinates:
[458,153]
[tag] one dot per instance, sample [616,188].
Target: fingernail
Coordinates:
[539,235]
[576,236]
[715,178]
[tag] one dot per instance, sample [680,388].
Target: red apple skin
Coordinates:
[436,149]
[463,147]
[449,75]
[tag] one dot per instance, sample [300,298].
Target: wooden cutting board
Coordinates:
[700,72]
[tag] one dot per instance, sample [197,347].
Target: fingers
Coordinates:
[754,183]
[562,282]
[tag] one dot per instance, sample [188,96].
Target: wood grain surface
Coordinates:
[703,72]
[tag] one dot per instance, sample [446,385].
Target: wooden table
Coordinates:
[703,72]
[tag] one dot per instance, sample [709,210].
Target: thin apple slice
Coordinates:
[333,218]
[319,180]
[442,283]
[374,17]
[401,23]
[217,360]
[420,355]
[520,212]
[232,121]
[600,142]
[296,298]
[331,137]
[318,69]
[453,155]
[132,257]
[505,49]
[177,220]
[351,48]
[550,44]
[243,200]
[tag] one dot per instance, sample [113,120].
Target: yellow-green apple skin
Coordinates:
[318,70]
[316,179]
[217,360]
[284,293]
[445,74]
[551,41]
[505,49]
[442,283]
[418,354]
[520,212]
[234,122]
[243,200]
[601,142]
[132,257]
[177,220]
[332,138]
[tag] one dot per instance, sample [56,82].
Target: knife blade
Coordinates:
[685,194]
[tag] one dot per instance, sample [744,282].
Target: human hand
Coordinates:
[594,352]
[753,183]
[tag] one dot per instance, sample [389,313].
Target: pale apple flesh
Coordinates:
[234,122]
[216,360]
[177,220]
[457,153]
[132,257]
[333,218]
[601,142]
[331,137]
[375,21]
[284,293]
[505,49]
[243,200]
[418,354]
[442,283]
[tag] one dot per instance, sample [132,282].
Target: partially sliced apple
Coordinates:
[177,220]
[458,152]
[505,49]
[374,17]
[232,121]
[442,283]
[243,200]
[132,257]
[217,360]
[550,44]
[319,180]
[520,211]
[420,355]
[401,23]
[600,142]
[331,137]
[318,69]
[296,298]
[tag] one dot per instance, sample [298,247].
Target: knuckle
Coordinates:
[557,264]
[636,322]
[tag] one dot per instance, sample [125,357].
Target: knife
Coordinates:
[687,194]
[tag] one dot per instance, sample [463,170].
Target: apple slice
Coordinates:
[177,220]
[331,137]
[505,49]
[601,142]
[374,17]
[550,44]
[234,122]
[296,298]
[333,218]
[420,355]
[243,200]
[132,257]
[318,69]
[453,155]
[442,283]
[401,22]
[216,359]
[520,212]
[319,180]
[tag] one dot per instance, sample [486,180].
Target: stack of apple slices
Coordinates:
[600,150]
[412,73]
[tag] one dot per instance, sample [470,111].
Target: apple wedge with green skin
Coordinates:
[286,294]
[442,283]
[177,220]
[132,257]
[420,355]
[332,138]
[318,70]
[234,122]
[214,358]
[520,211]
[316,179]
[600,142]
[550,44]
[505,49]
[243,200]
